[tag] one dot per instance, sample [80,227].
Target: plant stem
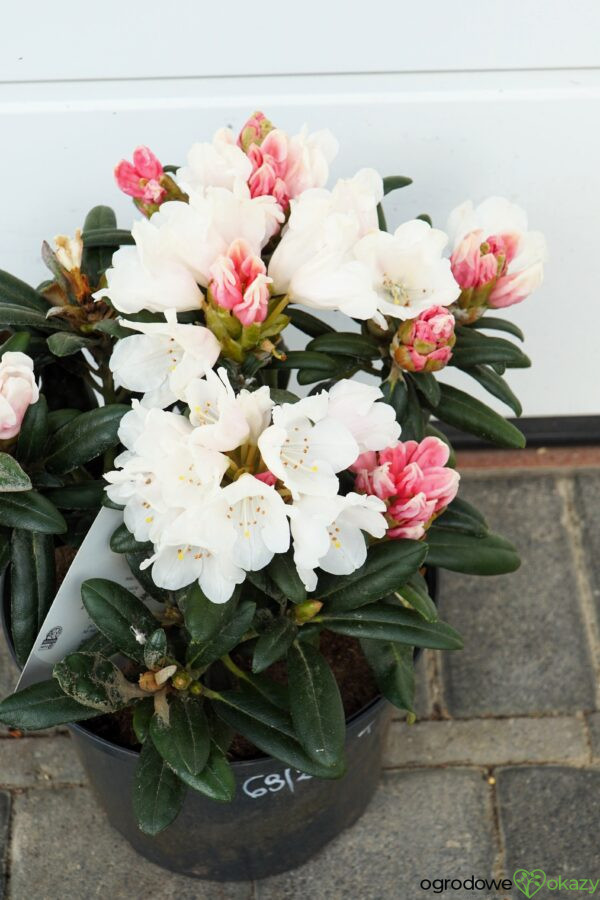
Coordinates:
[229,664]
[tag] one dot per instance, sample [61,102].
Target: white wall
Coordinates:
[466,98]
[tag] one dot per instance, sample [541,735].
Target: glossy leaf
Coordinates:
[95,681]
[388,566]
[81,495]
[283,571]
[384,621]
[32,512]
[155,649]
[461,516]
[496,386]
[119,615]
[17,293]
[24,317]
[33,433]
[393,667]
[96,259]
[204,619]
[200,654]
[42,705]
[16,343]
[394,182]
[489,555]
[32,587]
[488,350]
[316,705]
[427,385]
[416,593]
[308,323]
[122,541]
[142,716]
[158,793]
[468,414]
[12,476]
[107,237]
[273,643]
[183,741]
[346,344]
[84,438]
[496,324]
[66,343]
[216,781]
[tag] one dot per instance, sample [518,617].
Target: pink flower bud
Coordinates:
[254,131]
[267,478]
[141,179]
[18,391]
[425,344]
[238,282]
[413,479]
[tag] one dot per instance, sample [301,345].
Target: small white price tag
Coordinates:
[67,624]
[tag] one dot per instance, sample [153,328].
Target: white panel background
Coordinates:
[467,99]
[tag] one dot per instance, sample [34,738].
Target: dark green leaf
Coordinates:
[57,418]
[285,575]
[273,643]
[12,476]
[118,614]
[32,512]
[469,353]
[66,344]
[24,317]
[216,780]
[279,396]
[158,793]
[96,260]
[183,741]
[388,566]
[269,737]
[122,541]
[312,376]
[495,385]
[142,716]
[346,344]
[81,495]
[32,587]
[495,324]
[416,593]
[308,324]
[16,343]
[427,385]
[144,577]
[384,621]
[394,182]
[425,217]
[412,421]
[461,516]
[17,293]
[489,555]
[107,237]
[316,705]
[4,549]
[468,414]
[95,681]
[84,438]
[42,705]
[304,359]
[203,618]
[381,221]
[34,430]
[155,649]
[392,665]
[396,394]
[200,654]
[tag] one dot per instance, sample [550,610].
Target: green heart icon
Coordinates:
[529,882]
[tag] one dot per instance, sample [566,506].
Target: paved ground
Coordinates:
[501,772]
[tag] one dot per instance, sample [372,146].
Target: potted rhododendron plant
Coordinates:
[269,569]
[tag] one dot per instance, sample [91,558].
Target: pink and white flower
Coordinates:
[496,261]
[238,282]
[425,344]
[18,391]
[414,480]
[141,178]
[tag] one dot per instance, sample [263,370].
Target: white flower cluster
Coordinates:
[212,517]
[331,254]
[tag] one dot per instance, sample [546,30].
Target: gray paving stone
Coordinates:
[549,820]
[525,646]
[4,828]
[64,848]
[487,742]
[422,824]
[594,727]
[587,496]
[39,762]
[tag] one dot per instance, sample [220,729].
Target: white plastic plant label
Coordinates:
[67,624]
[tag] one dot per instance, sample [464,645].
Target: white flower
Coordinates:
[308,160]
[314,262]
[218,164]
[328,533]
[197,546]
[259,517]
[372,424]
[149,276]
[256,406]
[408,271]
[304,448]
[216,412]
[162,360]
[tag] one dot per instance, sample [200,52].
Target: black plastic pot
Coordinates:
[278,819]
